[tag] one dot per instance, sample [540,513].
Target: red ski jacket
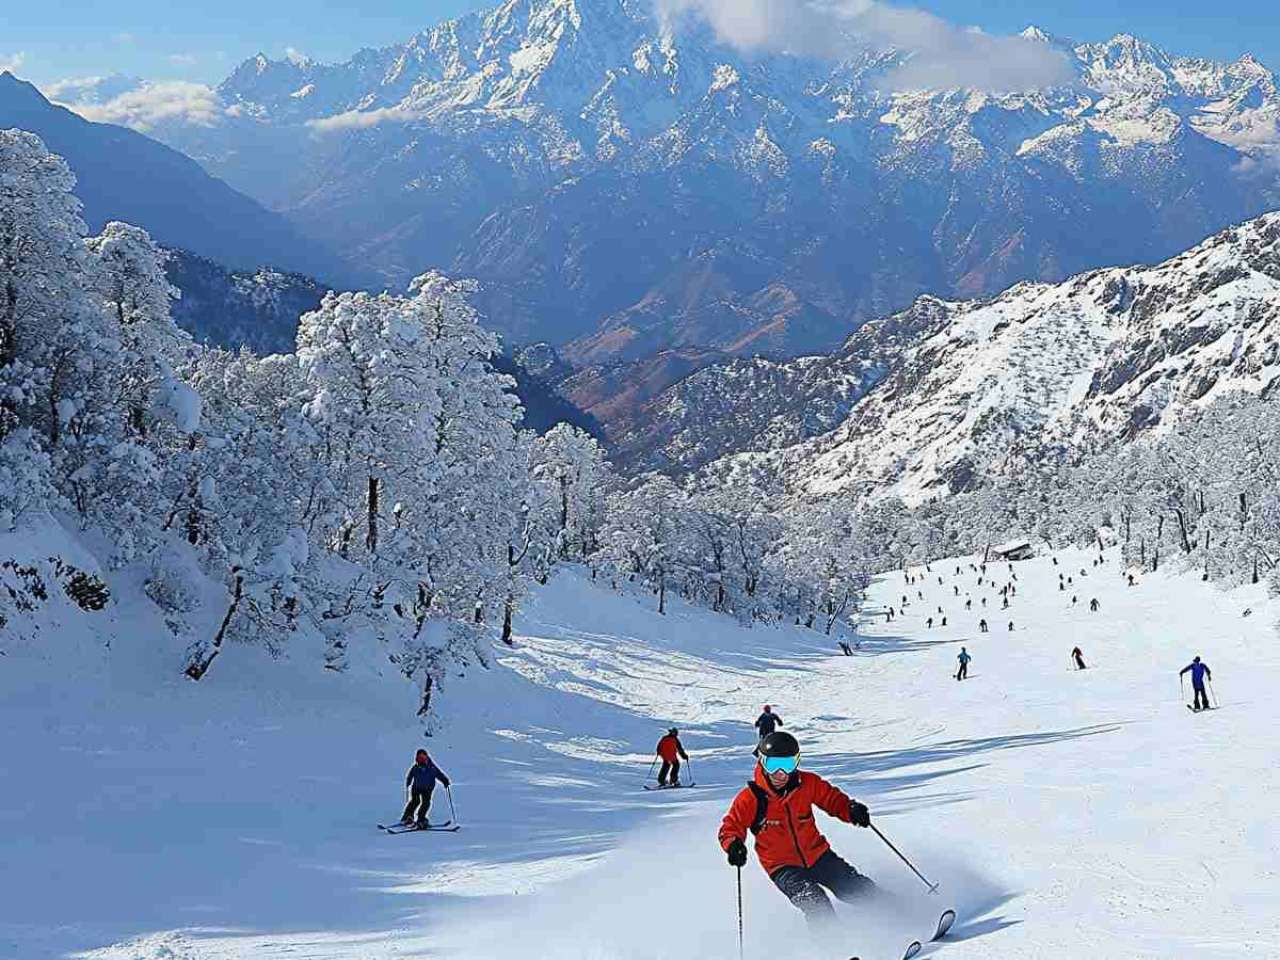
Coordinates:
[669,748]
[786,834]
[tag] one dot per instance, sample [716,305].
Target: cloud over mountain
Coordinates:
[939,54]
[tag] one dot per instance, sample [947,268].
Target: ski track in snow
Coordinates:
[1067,814]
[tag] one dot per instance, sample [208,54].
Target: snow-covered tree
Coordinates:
[573,464]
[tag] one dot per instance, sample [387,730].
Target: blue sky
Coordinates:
[55,39]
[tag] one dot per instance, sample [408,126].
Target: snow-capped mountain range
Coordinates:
[934,398]
[623,187]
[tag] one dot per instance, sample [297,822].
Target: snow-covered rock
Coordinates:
[962,390]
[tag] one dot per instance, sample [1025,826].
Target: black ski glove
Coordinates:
[859,815]
[737,854]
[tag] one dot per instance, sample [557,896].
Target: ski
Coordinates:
[447,827]
[944,925]
[678,786]
[1201,710]
[913,948]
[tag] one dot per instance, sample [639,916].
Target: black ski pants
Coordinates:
[963,672]
[671,767]
[1201,698]
[806,887]
[422,797]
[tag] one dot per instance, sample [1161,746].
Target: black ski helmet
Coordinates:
[779,744]
[673,732]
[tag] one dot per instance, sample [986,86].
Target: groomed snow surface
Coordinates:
[1067,814]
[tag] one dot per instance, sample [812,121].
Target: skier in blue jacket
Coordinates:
[421,779]
[1200,672]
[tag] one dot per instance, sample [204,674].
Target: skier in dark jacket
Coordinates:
[765,724]
[1078,656]
[777,808]
[1199,673]
[964,659]
[671,751]
[421,780]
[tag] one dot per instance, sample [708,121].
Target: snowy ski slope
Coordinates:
[1067,814]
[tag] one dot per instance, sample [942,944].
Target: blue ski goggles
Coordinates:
[780,764]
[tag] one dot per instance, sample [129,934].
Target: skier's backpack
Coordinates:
[762,807]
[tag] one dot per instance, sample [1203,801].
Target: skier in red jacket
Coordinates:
[671,752]
[777,807]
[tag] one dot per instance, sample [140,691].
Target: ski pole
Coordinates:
[933,887]
[1216,702]
[453,814]
[688,762]
[741,948]
[653,766]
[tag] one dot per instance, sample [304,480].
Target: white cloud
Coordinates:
[12,61]
[153,103]
[939,54]
[75,92]
[296,57]
[182,59]
[362,119]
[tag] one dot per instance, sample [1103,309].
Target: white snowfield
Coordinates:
[1066,814]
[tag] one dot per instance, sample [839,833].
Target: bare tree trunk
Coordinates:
[371,537]
[201,661]
[507,612]
[1182,529]
[662,592]
[427,687]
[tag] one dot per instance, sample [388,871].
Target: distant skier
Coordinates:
[765,724]
[1078,656]
[671,752]
[964,659]
[1093,605]
[1200,672]
[982,625]
[777,808]
[1131,581]
[421,781]
[1011,626]
[929,623]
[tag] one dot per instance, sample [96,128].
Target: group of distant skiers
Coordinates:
[776,805]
